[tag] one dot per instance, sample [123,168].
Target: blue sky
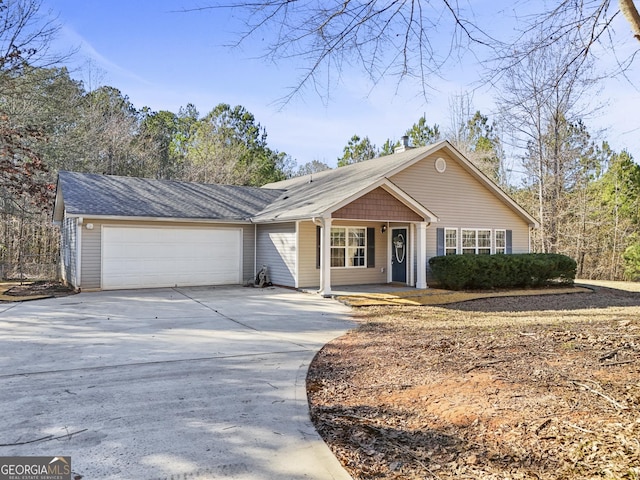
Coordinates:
[163,58]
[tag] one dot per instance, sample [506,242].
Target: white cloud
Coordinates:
[88,52]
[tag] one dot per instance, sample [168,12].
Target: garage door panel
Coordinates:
[164,257]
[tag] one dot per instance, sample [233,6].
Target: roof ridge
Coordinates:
[399,157]
[154,180]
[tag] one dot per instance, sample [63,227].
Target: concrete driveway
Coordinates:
[190,383]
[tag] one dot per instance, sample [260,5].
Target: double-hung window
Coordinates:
[450,241]
[348,247]
[476,242]
[501,241]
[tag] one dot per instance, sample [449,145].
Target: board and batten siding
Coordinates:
[91,268]
[460,201]
[310,274]
[276,248]
[69,251]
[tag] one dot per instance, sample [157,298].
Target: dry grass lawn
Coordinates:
[541,387]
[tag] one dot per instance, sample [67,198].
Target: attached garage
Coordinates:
[148,257]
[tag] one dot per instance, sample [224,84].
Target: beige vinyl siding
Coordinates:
[248,253]
[69,251]
[92,255]
[91,260]
[276,248]
[460,201]
[310,275]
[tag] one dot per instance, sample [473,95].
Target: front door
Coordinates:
[399,255]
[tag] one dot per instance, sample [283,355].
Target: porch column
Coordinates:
[421,242]
[325,258]
[410,253]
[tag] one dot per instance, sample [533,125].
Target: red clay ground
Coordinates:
[510,388]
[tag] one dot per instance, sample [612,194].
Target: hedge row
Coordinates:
[458,272]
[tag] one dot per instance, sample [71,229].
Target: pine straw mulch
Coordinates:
[544,387]
[434,296]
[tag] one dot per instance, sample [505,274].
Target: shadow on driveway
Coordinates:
[189,383]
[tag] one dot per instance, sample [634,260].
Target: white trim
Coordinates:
[411,259]
[408,248]
[255,253]
[296,282]
[389,253]
[101,253]
[107,218]
[494,244]
[325,257]
[240,266]
[79,222]
[58,207]
[346,247]
[421,244]
[455,229]
[477,247]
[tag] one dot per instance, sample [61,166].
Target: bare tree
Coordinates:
[414,39]
[630,12]
[477,138]
[26,35]
[25,38]
[542,102]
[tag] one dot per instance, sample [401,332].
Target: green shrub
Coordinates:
[458,272]
[631,257]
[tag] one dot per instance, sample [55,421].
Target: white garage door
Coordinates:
[165,257]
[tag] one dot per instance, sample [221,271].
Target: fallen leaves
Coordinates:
[428,392]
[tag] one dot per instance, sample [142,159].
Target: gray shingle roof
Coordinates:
[312,195]
[107,195]
[297,198]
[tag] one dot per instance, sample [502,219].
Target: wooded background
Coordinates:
[537,147]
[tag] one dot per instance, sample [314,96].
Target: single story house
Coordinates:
[372,222]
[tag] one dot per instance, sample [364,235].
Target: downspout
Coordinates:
[255,250]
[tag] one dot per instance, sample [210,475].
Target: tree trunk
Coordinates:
[630,12]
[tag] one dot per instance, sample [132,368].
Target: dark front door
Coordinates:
[399,249]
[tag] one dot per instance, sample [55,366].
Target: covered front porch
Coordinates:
[380,237]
